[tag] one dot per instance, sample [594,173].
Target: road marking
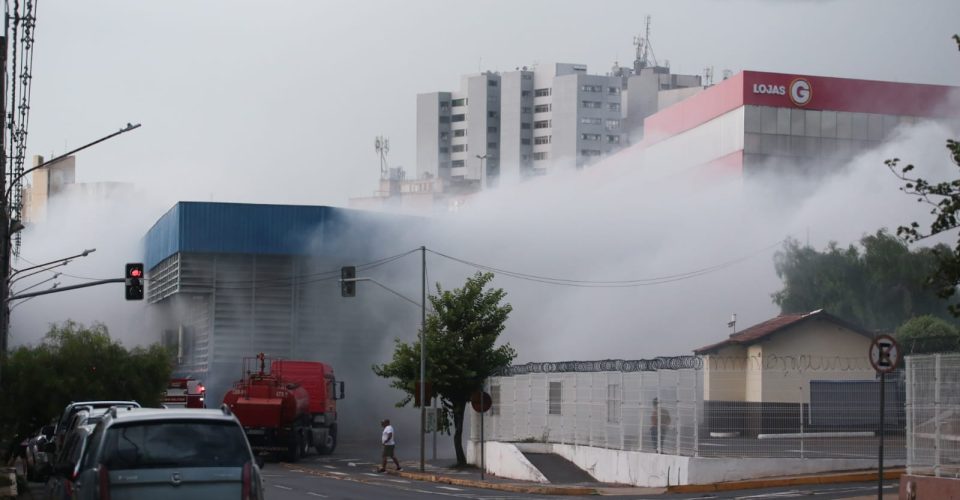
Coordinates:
[329,467]
[338,473]
[399,481]
[282,487]
[316,494]
[371,474]
[297,470]
[451,488]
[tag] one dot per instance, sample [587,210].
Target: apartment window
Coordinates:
[554,397]
[491,83]
[525,142]
[613,403]
[526,76]
[591,121]
[445,106]
[540,156]
[459,148]
[462,132]
[526,109]
[589,152]
[456,163]
[592,88]
[524,93]
[525,157]
[613,139]
[613,124]
[590,137]
[543,139]
[492,114]
[542,108]
[525,125]
[492,145]
[592,104]
[613,106]
[613,90]
[444,119]
[444,136]
[458,118]
[542,124]
[444,150]
[491,130]
[542,92]
[459,102]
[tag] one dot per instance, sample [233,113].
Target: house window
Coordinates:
[613,124]
[613,90]
[542,124]
[524,93]
[592,88]
[525,142]
[540,156]
[613,403]
[614,106]
[555,392]
[459,148]
[543,139]
[590,137]
[526,109]
[491,83]
[456,163]
[592,104]
[590,121]
[589,152]
[462,132]
[458,118]
[542,92]
[613,139]
[542,108]
[459,102]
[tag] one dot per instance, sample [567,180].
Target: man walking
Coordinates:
[389,443]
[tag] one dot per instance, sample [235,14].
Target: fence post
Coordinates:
[676,411]
[620,411]
[696,413]
[658,444]
[936,415]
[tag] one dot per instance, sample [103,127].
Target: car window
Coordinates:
[144,445]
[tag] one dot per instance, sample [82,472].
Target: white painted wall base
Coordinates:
[650,469]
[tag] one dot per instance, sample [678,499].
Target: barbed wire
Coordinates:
[770,362]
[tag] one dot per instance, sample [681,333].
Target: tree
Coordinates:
[76,363]
[878,287]
[927,334]
[944,199]
[460,337]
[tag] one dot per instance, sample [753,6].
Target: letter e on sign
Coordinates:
[884,354]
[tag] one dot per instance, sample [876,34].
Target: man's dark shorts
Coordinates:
[388,450]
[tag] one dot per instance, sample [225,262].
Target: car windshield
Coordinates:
[197,443]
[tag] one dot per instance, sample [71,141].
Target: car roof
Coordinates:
[160,414]
[103,404]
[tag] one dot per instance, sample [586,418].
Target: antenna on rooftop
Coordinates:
[708,76]
[645,57]
[382,145]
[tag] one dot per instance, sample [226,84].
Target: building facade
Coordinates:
[756,122]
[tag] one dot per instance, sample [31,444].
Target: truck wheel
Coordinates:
[304,445]
[328,443]
[294,449]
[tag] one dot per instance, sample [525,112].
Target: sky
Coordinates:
[280,103]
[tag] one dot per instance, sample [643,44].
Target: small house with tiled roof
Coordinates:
[774,361]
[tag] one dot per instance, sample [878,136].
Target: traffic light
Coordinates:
[348,287]
[134,281]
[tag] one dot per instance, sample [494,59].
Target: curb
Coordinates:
[437,478]
[850,477]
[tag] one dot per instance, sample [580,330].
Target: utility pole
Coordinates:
[423,360]
[4,209]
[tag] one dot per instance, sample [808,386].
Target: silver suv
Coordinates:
[140,453]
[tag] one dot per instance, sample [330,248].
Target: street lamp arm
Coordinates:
[38,271]
[81,254]
[55,276]
[16,179]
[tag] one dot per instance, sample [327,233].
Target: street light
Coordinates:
[62,261]
[55,276]
[483,174]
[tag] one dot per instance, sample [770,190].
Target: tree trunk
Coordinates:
[458,410]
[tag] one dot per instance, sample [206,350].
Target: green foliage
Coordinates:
[878,287]
[928,334]
[76,363]
[944,201]
[461,353]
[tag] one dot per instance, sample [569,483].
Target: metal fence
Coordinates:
[822,408]
[933,415]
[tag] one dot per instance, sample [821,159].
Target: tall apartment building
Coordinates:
[525,122]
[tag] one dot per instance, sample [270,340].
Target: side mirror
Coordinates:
[342,393]
[260,461]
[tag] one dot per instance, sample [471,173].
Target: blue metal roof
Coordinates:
[205,227]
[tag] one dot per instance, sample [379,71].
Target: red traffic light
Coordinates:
[135,273]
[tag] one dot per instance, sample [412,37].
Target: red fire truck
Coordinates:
[184,393]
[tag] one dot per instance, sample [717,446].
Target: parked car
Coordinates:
[146,453]
[66,466]
[38,454]
[71,409]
